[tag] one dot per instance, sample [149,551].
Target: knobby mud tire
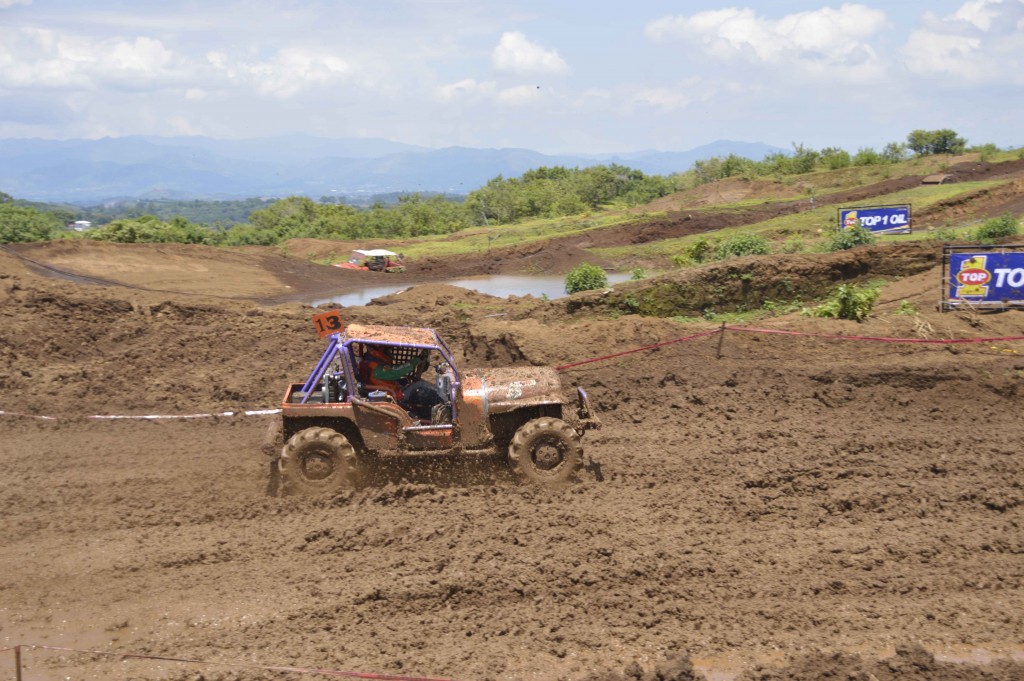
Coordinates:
[545,450]
[318,460]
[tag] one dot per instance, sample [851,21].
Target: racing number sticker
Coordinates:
[327,323]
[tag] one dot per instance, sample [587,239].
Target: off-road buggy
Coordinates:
[333,427]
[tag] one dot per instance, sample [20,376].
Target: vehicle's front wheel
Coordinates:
[318,460]
[545,450]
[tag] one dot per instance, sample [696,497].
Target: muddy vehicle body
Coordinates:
[334,426]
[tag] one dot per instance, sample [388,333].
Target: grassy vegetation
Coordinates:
[479,239]
[556,202]
[811,225]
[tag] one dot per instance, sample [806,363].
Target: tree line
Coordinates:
[546,192]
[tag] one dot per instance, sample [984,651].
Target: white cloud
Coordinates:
[31,57]
[519,95]
[982,42]
[929,52]
[4,4]
[829,43]
[180,125]
[661,98]
[487,91]
[289,72]
[468,87]
[517,54]
[980,13]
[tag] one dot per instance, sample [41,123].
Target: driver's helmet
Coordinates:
[379,352]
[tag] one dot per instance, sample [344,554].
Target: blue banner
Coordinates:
[879,220]
[986,278]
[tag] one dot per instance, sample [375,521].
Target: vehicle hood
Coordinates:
[509,388]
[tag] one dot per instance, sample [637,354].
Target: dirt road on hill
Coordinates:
[759,500]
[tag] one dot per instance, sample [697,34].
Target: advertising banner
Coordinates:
[877,219]
[982,276]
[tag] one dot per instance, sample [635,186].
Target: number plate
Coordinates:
[327,323]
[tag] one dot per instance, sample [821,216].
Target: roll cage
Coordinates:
[344,349]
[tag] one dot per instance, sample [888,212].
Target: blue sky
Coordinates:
[584,77]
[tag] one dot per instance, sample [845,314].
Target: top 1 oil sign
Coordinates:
[877,219]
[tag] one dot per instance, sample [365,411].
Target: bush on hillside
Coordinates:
[945,141]
[742,244]
[866,156]
[699,250]
[22,223]
[996,228]
[150,229]
[585,277]
[845,239]
[847,301]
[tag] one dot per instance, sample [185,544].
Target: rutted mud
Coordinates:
[763,507]
[765,498]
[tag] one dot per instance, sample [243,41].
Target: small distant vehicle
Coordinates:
[374,260]
[333,427]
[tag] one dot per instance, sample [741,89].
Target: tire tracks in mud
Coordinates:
[52,272]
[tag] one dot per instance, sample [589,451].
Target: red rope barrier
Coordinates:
[749,329]
[630,352]
[245,665]
[879,339]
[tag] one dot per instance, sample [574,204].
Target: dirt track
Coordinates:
[794,495]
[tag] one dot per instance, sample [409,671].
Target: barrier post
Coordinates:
[721,339]
[17,663]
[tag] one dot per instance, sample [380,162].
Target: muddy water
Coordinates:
[501,285]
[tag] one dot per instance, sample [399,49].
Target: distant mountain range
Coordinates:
[93,171]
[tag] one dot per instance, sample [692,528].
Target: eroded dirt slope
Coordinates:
[757,499]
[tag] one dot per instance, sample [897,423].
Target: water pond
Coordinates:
[501,285]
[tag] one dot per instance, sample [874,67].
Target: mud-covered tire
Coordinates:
[317,460]
[545,450]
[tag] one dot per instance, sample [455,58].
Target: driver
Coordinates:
[378,370]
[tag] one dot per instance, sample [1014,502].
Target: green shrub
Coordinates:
[742,244]
[986,151]
[638,274]
[795,245]
[699,250]
[1005,225]
[845,239]
[906,308]
[847,301]
[945,234]
[680,260]
[22,223]
[585,277]
[151,229]
[866,156]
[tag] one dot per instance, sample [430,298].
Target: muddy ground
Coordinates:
[768,506]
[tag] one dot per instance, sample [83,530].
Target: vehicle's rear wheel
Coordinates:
[318,460]
[545,450]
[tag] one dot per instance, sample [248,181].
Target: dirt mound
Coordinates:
[910,663]
[753,283]
[757,498]
[252,273]
[752,495]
